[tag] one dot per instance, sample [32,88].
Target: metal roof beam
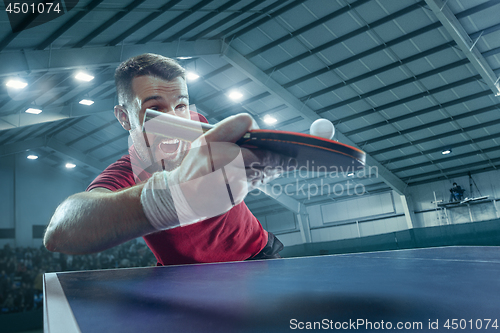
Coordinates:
[19,28]
[72,20]
[368,52]
[331,16]
[398,84]
[382,69]
[174,21]
[366,75]
[434,123]
[118,16]
[23,62]
[14,121]
[229,18]
[254,25]
[365,53]
[466,44]
[235,109]
[428,125]
[52,84]
[420,112]
[401,101]
[287,122]
[77,155]
[485,31]
[447,159]
[201,20]
[492,52]
[358,56]
[103,144]
[222,91]
[440,149]
[22,146]
[59,112]
[437,137]
[27,134]
[59,126]
[478,8]
[148,19]
[10,137]
[94,131]
[458,174]
[493,163]
[300,109]
[341,84]
[114,155]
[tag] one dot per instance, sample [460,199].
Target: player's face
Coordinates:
[163,96]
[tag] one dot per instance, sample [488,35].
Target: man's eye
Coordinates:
[181,107]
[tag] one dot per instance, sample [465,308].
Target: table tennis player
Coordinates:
[185,199]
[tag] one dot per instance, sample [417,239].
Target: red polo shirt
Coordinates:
[233,236]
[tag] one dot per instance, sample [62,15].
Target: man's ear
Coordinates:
[122,116]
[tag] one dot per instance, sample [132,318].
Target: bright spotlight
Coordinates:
[81,76]
[235,95]
[191,76]
[86,102]
[33,111]
[16,84]
[269,119]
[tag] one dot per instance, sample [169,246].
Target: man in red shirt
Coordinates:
[168,190]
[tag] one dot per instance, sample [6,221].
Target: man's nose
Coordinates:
[172,112]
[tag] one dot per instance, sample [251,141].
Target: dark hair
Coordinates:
[455,184]
[144,64]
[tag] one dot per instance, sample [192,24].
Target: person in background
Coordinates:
[456,193]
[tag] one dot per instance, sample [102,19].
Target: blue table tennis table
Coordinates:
[442,289]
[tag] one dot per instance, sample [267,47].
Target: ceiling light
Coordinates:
[16,84]
[269,119]
[184,58]
[86,102]
[350,174]
[70,165]
[84,77]
[446,152]
[191,76]
[32,157]
[235,95]
[33,111]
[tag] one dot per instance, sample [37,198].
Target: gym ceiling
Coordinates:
[403,80]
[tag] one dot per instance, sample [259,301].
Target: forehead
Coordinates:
[147,86]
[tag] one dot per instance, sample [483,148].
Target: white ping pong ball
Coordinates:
[322,128]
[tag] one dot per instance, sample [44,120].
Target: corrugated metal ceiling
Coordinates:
[387,73]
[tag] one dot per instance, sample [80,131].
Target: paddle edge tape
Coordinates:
[255,136]
[57,313]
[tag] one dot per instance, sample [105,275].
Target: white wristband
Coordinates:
[185,213]
[165,206]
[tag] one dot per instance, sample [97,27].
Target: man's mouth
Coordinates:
[169,146]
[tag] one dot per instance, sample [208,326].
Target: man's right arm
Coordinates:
[93,221]
[97,220]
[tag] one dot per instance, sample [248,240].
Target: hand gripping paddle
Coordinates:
[309,151]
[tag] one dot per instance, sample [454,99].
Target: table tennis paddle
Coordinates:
[311,152]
